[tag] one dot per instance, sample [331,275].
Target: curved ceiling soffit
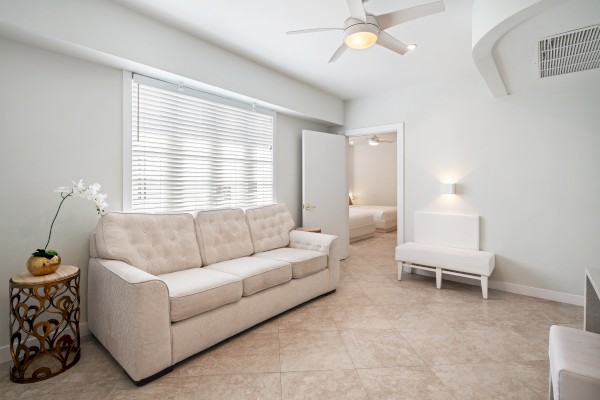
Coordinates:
[492,19]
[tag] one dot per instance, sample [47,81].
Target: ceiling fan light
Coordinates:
[361,40]
[373,142]
[411,46]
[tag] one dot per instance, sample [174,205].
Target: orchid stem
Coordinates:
[56,215]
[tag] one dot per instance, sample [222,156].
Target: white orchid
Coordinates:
[80,190]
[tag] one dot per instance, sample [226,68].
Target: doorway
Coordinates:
[384,133]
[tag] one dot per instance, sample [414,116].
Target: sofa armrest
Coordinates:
[128,311]
[327,244]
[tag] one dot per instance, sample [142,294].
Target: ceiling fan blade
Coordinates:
[357,10]
[338,52]
[388,41]
[313,30]
[408,14]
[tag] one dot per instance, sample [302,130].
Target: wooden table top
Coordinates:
[64,271]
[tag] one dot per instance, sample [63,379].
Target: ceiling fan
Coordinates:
[374,140]
[363,29]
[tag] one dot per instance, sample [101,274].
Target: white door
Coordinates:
[324,185]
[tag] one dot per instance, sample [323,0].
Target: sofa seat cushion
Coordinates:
[197,290]
[256,273]
[304,262]
[452,258]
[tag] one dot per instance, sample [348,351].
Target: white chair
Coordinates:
[574,364]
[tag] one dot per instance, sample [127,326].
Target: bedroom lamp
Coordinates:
[448,188]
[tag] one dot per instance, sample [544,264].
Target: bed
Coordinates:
[385,217]
[362,225]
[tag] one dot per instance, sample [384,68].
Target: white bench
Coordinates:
[447,244]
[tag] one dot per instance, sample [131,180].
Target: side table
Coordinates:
[44,324]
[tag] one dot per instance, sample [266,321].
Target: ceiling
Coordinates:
[256,30]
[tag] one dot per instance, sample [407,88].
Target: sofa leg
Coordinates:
[438,278]
[149,379]
[400,266]
[411,270]
[484,286]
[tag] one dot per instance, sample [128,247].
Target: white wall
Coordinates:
[374,174]
[528,163]
[105,32]
[61,120]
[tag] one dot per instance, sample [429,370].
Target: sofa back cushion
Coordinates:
[270,226]
[155,243]
[223,235]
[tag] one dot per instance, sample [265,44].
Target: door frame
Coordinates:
[399,129]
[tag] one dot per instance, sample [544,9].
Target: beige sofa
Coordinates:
[164,287]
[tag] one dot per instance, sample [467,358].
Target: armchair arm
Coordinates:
[128,311]
[327,244]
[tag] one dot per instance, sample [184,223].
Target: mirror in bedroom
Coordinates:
[375,182]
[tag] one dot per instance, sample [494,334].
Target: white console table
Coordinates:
[591,308]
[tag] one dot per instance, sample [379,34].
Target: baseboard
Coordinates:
[515,288]
[5,350]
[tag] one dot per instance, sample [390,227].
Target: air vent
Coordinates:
[569,52]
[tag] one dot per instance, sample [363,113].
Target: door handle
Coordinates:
[308,206]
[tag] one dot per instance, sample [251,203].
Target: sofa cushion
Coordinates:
[469,261]
[304,262]
[256,273]
[197,290]
[270,226]
[155,243]
[223,235]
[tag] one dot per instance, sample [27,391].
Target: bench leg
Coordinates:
[484,286]
[400,263]
[438,278]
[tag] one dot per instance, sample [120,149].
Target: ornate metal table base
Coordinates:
[44,324]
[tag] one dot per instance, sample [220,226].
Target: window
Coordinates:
[192,150]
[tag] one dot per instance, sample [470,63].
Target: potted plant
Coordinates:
[46,261]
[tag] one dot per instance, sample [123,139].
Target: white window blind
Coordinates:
[190,153]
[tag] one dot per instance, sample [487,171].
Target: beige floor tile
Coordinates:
[416,317]
[534,333]
[403,383]
[444,346]
[307,319]
[503,344]
[533,374]
[356,317]
[330,385]
[305,351]
[483,381]
[250,352]
[379,348]
[50,390]
[237,386]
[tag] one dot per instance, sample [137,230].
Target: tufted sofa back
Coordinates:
[155,243]
[223,235]
[270,226]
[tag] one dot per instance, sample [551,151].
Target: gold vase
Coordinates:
[42,265]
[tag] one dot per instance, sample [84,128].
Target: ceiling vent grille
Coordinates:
[569,52]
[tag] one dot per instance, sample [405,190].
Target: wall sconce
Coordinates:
[448,188]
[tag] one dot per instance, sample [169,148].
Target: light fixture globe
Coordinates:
[361,35]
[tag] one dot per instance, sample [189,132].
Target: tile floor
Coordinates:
[374,338]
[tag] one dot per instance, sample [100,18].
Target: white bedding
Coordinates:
[362,225]
[385,217]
